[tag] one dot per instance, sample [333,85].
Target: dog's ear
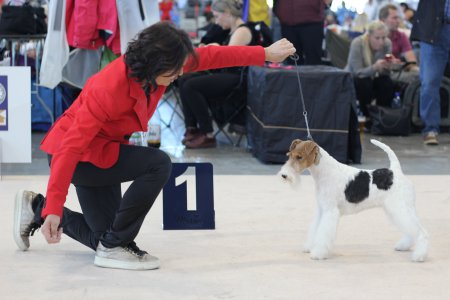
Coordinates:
[312,151]
[317,155]
[294,144]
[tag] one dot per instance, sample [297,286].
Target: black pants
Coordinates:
[107,216]
[380,88]
[307,39]
[197,91]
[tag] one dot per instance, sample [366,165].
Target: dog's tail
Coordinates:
[395,164]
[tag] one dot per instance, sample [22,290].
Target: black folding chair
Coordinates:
[172,99]
[229,112]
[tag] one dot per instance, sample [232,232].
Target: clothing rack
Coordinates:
[13,41]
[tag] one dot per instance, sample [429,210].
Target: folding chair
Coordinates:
[172,100]
[229,112]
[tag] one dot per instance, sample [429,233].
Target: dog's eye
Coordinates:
[298,157]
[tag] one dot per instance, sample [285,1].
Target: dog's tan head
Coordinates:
[302,155]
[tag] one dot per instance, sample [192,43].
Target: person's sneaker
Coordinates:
[24,224]
[128,258]
[430,138]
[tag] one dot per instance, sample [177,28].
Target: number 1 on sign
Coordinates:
[190,189]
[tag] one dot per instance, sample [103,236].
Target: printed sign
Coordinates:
[15,114]
[3,103]
[188,197]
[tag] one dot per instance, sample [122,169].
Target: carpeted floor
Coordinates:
[254,252]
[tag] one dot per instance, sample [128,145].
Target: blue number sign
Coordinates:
[188,197]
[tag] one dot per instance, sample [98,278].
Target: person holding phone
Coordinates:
[370,61]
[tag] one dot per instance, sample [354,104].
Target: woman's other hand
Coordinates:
[279,51]
[50,229]
[381,64]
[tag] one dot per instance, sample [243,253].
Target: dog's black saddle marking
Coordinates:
[358,189]
[383,178]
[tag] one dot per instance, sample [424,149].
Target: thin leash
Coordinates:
[295,58]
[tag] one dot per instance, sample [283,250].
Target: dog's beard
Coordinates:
[288,176]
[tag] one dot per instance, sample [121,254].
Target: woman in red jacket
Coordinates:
[88,146]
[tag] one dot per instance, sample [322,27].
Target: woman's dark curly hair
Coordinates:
[158,49]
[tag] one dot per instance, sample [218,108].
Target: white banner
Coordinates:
[15,115]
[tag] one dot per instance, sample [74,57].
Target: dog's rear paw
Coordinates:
[319,254]
[404,244]
[418,257]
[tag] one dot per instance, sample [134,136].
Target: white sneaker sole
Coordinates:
[118,264]
[17,214]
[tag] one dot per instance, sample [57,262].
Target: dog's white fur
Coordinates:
[331,180]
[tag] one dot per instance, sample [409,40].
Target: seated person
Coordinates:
[370,61]
[408,13]
[211,32]
[198,90]
[401,46]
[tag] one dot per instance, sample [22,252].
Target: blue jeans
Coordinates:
[433,58]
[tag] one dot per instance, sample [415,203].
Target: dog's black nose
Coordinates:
[284,176]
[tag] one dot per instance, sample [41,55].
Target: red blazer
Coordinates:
[110,108]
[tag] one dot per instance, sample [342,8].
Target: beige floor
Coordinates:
[254,253]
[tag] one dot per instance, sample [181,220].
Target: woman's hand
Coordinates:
[50,229]
[381,64]
[279,51]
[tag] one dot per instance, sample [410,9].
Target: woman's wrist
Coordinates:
[266,54]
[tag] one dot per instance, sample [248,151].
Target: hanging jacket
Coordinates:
[56,48]
[135,16]
[87,20]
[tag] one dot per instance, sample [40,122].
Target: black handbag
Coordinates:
[390,121]
[22,20]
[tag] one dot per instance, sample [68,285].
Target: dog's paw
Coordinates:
[418,257]
[307,247]
[317,254]
[404,244]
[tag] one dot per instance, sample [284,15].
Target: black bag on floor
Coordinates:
[390,121]
[412,98]
[24,19]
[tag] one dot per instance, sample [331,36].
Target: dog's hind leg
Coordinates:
[421,249]
[405,243]
[312,230]
[405,217]
[325,234]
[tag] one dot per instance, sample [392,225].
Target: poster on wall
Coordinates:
[3,103]
[15,114]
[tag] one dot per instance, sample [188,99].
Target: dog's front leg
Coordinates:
[312,230]
[325,234]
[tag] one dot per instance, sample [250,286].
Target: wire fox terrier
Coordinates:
[341,189]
